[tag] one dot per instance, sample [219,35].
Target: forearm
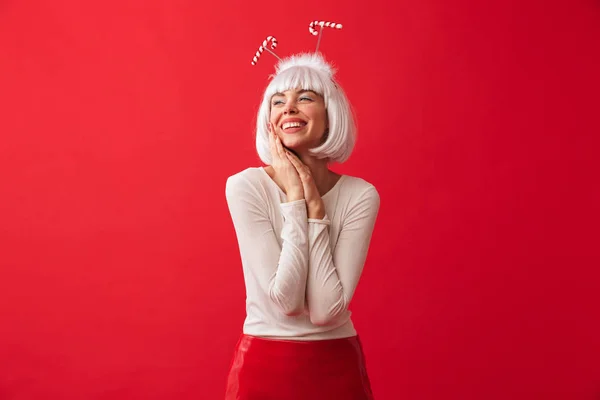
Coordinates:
[294,195]
[325,292]
[278,261]
[288,285]
[334,272]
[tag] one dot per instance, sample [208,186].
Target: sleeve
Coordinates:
[280,270]
[332,278]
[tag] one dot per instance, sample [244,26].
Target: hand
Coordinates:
[314,202]
[284,169]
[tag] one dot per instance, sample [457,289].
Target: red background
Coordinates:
[120,121]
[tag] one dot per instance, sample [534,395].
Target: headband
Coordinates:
[313,31]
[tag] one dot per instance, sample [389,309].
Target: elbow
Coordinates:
[325,318]
[320,320]
[288,305]
[293,312]
[287,308]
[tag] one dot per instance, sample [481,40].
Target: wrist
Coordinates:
[316,211]
[294,196]
[320,215]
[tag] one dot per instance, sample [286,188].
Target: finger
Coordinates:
[280,148]
[292,159]
[270,135]
[303,169]
[296,163]
[295,157]
[273,145]
[275,148]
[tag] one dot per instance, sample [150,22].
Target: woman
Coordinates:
[303,233]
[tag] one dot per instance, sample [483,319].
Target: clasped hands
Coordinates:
[296,177]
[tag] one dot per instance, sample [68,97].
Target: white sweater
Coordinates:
[300,273]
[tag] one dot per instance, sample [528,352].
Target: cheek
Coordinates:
[273,115]
[321,116]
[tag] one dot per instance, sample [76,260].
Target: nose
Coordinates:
[290,108]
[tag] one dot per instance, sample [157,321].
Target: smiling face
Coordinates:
[299,118]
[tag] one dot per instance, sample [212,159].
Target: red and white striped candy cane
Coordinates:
[311,27]
[264,47]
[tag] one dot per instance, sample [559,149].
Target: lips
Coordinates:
[292,123]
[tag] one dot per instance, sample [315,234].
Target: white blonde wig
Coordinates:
[310,72]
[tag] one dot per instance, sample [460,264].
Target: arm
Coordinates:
[333,277]
[281,271]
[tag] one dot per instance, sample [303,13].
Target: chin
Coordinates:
[292,143]
[298,145]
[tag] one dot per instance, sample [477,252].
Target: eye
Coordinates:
[276,102]
[306,98]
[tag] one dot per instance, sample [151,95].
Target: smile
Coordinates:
[287,125]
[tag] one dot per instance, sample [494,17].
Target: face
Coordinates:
[299,118]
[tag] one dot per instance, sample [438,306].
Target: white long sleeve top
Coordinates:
[300,273]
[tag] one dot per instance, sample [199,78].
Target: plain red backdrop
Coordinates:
[120,121]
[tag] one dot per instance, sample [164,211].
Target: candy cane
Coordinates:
[311,27]
[264,47]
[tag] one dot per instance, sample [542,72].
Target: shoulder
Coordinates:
[246,183]
[356,189]
[249,175]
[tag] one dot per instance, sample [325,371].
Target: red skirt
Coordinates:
[267,369]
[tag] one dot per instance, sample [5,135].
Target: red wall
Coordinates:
[120,121]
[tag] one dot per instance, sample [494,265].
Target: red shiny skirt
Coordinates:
[268,369]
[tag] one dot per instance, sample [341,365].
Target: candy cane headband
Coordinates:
[311,29]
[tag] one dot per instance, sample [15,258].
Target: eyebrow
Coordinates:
[300,91]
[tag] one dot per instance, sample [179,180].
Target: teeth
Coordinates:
[293,125]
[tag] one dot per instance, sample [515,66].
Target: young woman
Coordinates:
[303,233]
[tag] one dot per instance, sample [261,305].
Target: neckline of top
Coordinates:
[334,187]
